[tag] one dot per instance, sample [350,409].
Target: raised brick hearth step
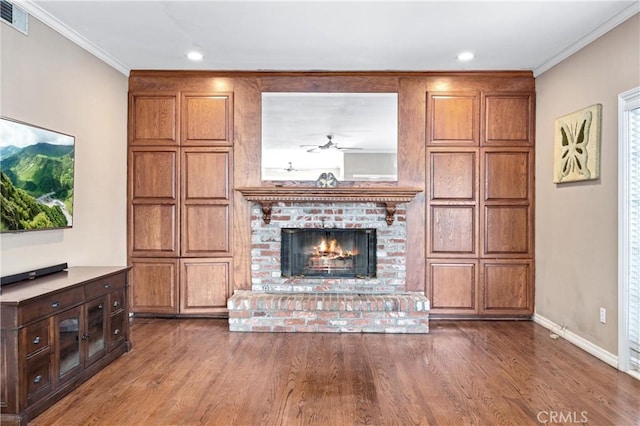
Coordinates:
[328,312]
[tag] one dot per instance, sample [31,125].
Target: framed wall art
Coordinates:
[577,145]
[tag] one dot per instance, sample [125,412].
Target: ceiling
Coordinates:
[332,35]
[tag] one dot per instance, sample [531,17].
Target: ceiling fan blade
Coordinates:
[313,149]
[347,148]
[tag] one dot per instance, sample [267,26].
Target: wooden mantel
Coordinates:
[388,196]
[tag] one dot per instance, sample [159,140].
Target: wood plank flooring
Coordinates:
[192,372]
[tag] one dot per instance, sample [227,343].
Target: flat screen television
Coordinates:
[37,171]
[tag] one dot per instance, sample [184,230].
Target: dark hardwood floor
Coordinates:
[189,372]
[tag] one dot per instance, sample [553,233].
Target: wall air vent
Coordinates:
[14,16]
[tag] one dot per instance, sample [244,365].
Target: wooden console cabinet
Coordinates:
[56,332]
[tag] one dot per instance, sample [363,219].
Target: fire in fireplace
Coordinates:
[344,253]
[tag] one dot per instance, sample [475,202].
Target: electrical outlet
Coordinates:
[603,315]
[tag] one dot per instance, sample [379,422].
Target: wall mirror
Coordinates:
[352,135]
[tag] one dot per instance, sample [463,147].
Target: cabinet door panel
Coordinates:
[68,332]
[95,332]
[206,203]
[206,174]
[154,196]
[452,118]
[152,230]
[153,174]
[153,119]
[507,230]
[507,287]
[507,174]
[154,286]
[453,175]
[205,230]
[452,213]
[507,119]
[453,286]
[205,285]
[452,230]
[206,119]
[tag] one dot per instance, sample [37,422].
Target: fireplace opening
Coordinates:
[340,253]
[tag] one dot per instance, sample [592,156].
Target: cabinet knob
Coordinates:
[116,304]
[37,379]
[107,285]
[85,337]
[100,306]
[55,305]
[116,331]
[36,340]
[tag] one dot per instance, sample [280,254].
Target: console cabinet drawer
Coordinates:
[37,337]
[116,301]
[52,304]
[38,377]
[105,285]
[116,330]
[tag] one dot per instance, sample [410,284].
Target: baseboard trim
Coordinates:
[580,342]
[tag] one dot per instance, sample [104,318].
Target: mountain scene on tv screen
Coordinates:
[36,171]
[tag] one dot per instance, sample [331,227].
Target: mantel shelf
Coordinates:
[389,196]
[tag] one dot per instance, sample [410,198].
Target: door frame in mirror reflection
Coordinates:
[352,135]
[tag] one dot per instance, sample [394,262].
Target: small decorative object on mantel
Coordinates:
[327,180]
[577,145]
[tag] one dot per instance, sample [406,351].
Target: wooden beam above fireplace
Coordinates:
[388,196]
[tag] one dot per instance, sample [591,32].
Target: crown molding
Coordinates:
[54,23]
[601,30]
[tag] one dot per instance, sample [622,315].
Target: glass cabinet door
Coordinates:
[68,329]
[95,337]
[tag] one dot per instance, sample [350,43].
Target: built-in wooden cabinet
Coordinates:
[180,201]
[466,139]
[479,213]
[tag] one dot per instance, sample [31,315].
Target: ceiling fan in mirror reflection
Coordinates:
[328,145]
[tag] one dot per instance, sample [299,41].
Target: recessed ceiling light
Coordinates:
[194,56]
[465,56]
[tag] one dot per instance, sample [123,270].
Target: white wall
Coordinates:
[49,81]
[576,224]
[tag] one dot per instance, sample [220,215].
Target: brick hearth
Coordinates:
[329,312]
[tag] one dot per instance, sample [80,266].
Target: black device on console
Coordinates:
[23,276]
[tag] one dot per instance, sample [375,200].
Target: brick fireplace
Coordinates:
[343,302]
